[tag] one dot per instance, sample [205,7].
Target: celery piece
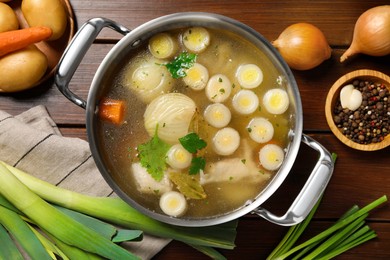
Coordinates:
[23,234]
[54,221]
[8,249]
[116,211]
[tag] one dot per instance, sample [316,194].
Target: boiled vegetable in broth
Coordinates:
[207,119]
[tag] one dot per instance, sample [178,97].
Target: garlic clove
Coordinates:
[355,100]
[350,97]
[345,93]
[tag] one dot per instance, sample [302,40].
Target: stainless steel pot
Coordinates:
[75,52]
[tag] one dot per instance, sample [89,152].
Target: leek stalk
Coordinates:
[23,234]
[8,248]
[116,211]
[52,249]
[55,222]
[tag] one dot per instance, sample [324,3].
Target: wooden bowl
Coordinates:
[52,49]
[334,95]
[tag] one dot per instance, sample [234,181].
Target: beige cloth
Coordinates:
[33,143]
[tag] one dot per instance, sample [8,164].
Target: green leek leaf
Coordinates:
[54,221]
[8,249]
[23,234]
[124,235]
[116,211]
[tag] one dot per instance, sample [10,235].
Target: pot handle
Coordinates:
[75,52]
[311,191]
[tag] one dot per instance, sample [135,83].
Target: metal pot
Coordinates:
[73,55]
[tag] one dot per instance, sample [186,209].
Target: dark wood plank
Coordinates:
[268,18]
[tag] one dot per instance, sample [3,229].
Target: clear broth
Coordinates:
[224,54]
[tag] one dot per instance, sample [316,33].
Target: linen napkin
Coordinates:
[32,142]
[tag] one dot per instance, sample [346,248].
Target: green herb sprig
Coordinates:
[193,143]
[180,64]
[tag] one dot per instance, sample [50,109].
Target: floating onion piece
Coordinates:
[245,102]
[173,203]
[162,46]
[276,101]
[172,113]
[178,157]
[218,88]
[217,115]
[303,46]
[148,79]
[271,157]
[196,39]
[226,141]
[371,34]
[197,77]
[249,76]
[260,130]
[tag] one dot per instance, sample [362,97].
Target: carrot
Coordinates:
[112,110]
[18,39]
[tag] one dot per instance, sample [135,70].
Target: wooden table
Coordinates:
[359,177]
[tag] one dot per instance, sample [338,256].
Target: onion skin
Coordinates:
[303,46]
[371,35]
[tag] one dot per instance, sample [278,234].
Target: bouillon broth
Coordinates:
[232,107]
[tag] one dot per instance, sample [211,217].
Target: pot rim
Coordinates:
[186,19]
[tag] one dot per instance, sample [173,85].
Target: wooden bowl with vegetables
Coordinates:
[357,110]
[33,34]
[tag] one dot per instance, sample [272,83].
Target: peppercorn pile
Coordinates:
[370,123]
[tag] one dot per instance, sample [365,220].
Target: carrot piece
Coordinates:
[18,39]
[112,110]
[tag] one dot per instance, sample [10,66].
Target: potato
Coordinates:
[50,13]
[8,19]
[22,69]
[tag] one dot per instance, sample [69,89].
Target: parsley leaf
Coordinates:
[192,142]
[180,63]
[152,156]
[197,164]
